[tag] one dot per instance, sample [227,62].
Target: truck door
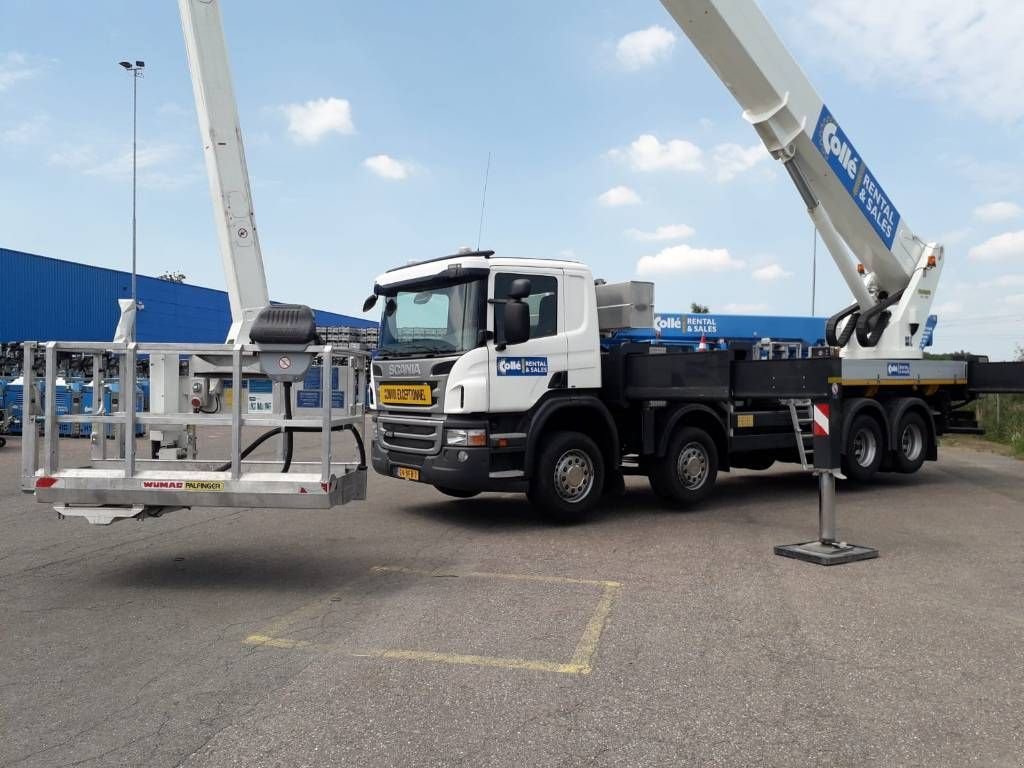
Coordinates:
[520,374]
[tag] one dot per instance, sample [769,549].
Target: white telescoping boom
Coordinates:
[844,198]
[225,164]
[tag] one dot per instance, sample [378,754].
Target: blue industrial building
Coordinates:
[49,299]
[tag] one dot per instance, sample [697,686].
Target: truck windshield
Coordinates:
[433,320]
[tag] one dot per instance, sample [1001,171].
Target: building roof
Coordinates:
[46,299]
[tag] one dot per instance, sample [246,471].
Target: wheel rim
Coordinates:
[865,447]
[574,476]
[911,442]
[692,466]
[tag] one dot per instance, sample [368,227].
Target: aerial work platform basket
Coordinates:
[116,482]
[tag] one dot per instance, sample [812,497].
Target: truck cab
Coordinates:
[457,392]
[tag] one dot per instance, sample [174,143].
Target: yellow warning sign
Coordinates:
[204,485]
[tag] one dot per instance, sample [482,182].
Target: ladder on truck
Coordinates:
[801,413]
[116,482]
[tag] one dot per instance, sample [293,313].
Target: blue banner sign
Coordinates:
[929,331]
[850,168]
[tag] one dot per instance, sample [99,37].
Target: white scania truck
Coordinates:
[491,373]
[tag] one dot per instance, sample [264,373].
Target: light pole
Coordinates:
[136,72]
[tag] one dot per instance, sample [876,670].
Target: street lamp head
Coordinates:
[140,64]
[125,64]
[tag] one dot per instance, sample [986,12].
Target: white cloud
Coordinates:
[745,309]
[966,54]
[954,236]
[619,196]
[310,122]
[730,160]
[1004,281]
[173,109]
[14,68]
[25,132]
[1016,300]
[387,167]
[159,165]
[683,258]
[667,232]
[647,153]
[770,273]
[644,47]
[1000,247]
[948,308]
[1000,211]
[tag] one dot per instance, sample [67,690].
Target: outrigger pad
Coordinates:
[821,553]
[284,324]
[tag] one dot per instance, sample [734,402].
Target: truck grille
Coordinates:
[402,433]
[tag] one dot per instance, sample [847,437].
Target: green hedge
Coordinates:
[1002,418]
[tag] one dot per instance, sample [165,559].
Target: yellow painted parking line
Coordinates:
[581,662]
[274,642]
[488,575]
[477,661]
[586,648]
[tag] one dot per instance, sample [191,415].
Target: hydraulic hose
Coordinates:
[288,432]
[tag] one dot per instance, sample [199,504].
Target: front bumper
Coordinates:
[475,473]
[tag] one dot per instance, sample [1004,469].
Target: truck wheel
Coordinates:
[568,478]
[864,446]
[688,470]
[456,493]
[911,443]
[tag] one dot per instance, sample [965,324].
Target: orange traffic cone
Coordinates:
[703,346]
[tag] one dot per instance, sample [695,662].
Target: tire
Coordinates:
[3,442]
[457,493]
[689,468]
[911,447]
[568,478]
[865,446]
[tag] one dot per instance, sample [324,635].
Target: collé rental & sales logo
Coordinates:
[898,369]
[851,170]
[679,325]
[522,366]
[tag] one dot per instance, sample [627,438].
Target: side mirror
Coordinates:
[519,289]
[370,303]
[517,319]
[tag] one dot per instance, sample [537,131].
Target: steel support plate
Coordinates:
[826,554]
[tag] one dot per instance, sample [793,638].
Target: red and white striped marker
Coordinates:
[820,426]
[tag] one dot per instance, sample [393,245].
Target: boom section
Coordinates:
[225,164]
[796,126]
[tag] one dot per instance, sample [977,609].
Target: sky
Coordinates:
[368,128]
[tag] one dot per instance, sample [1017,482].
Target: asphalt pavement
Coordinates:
[416,630]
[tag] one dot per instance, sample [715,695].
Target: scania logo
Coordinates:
[404,369]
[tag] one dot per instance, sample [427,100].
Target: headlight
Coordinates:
[469,437]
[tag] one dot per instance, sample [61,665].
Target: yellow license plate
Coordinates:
[405,394]
[407,473]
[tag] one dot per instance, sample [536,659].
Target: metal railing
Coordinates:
[243,366]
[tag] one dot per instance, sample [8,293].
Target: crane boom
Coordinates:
[225,164]
[844,198]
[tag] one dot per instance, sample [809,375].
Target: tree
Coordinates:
[173,277]
[699,309]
